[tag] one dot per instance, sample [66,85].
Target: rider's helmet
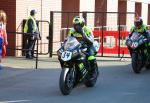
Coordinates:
[33,12]
[77,20]
[78,23]
[138,22]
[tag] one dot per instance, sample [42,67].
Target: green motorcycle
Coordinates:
[139,50]
[75,66]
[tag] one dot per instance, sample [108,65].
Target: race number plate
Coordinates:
[134,45]
[66,56]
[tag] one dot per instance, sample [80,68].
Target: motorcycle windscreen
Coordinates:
[71,43]
[136,37]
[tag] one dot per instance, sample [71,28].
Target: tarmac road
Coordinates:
[116,84]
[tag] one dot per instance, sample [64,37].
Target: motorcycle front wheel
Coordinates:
[136,63]
[66,81]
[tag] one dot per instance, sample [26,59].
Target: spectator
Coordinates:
[31,27]
[3,36]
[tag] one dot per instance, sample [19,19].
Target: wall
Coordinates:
[130,18]
[88,5]
[100,18]
[112,6]
[122,8]
[9,6]
[145,13]
[148,22]
[47,6]
[43,8]
[17,10]
[72,6]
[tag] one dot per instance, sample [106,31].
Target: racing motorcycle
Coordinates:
[138,46]
[75,66]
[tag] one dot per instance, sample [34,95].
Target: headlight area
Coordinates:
[59,52]
[75,54]
[75,51]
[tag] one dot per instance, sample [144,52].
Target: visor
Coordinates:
[137,24]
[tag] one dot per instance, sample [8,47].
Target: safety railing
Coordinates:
[111,27]
[42,47]
[13,48]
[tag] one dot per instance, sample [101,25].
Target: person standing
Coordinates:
[3,36]
[33,34]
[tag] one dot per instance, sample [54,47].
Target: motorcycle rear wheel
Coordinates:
[147,67]
[91,82]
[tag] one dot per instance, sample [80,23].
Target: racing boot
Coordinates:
[94,68]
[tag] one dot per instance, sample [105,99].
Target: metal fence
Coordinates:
[109,28]
[41,46]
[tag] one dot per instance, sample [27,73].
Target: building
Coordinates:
[17,10]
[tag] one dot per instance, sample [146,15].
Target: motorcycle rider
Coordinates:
[85,36]
[140,28]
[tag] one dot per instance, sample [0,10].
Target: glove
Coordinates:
[37,35]
[78,29]
[141,42]
[128,42]
[145,40]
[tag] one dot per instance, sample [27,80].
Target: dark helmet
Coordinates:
[33,12]
[138,22]
[79,21]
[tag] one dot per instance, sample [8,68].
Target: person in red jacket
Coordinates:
[3,35]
